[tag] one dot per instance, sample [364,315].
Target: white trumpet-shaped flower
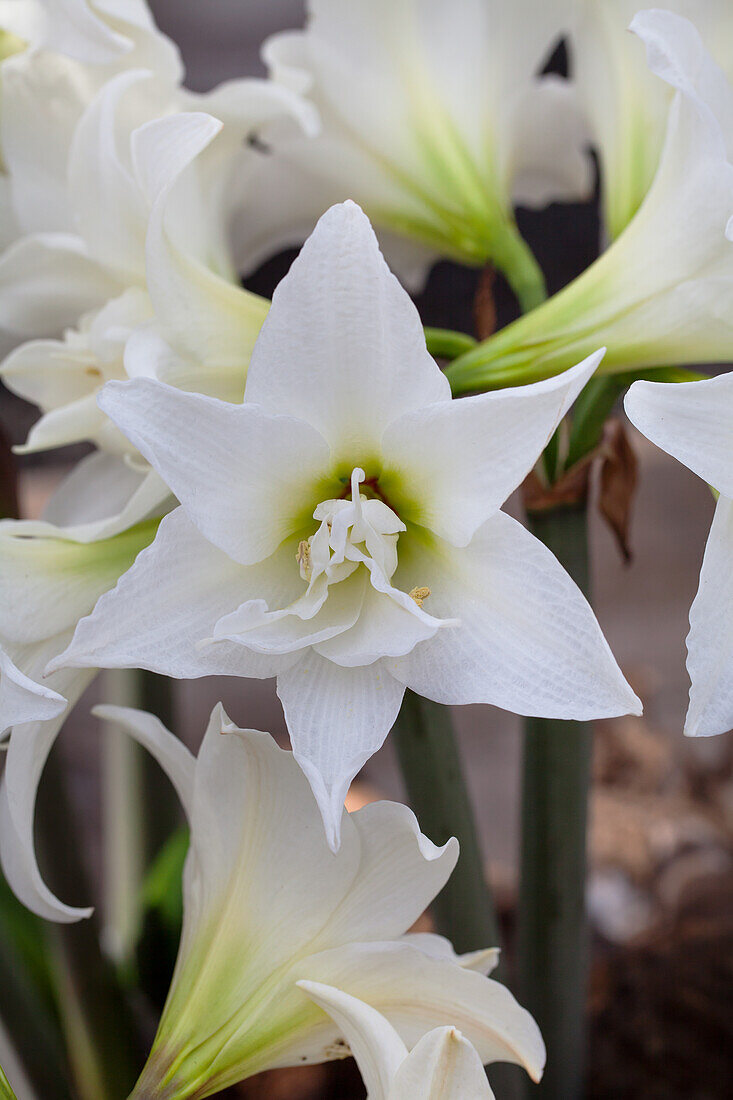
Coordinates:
[341,528]
[122,209]
[443,1065]
[434,119]
[625,104]
[693,421]
[51,574]
[267,905]
[662,294]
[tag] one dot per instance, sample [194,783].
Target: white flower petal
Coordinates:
[710,641]
[692,421]
[48,282]
[483,962]
[400,872]
[528,640]
[48,582]
[442,1064]
[373,1041]
[28,750]
[256,486]
[70,27]
[22,699]
[168,602]
[459,461]
[174,758]
[418,993]
[347,339]
[390,624]
[337,718]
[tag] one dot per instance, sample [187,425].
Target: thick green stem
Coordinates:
[100,1033]
[443,343]
[431,766]
[553,930]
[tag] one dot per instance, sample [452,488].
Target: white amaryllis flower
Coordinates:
[266,905]
[625,105]
[435,120]
[662,294]
[51,574]
[693,421]
[341,528]
[142,202]
[443,1065]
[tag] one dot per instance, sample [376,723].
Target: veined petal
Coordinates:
[417,993]
[692,421]
[22,700]
[710,641]
[262,472]
[527,641]
[449,467]
[442,1065]
[168,602]
[373,1041]
[337,718]
[348,343]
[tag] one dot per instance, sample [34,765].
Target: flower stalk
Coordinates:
[553,930]
[431,766]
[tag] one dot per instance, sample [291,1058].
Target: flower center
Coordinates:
[363,530]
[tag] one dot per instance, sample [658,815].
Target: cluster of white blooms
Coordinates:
[290,490]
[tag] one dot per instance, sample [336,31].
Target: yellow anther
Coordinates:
[303,558]
[419,595]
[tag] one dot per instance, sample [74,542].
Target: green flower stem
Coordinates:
[431,766]
[98,1025]
[443,343]
[553,930]
[6,1093]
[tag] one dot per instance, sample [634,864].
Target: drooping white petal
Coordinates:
[166,605]
[459,461]
[692,421]
[337,718]
[373,1041]
[710,641]
[347,339]
[527,641]
[22,700]
[174,758]
[256,486]
[28,750]
[417,993]
[442,1066]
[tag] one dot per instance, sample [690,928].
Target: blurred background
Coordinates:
[661,841]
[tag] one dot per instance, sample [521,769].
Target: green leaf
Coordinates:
[6,1093]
